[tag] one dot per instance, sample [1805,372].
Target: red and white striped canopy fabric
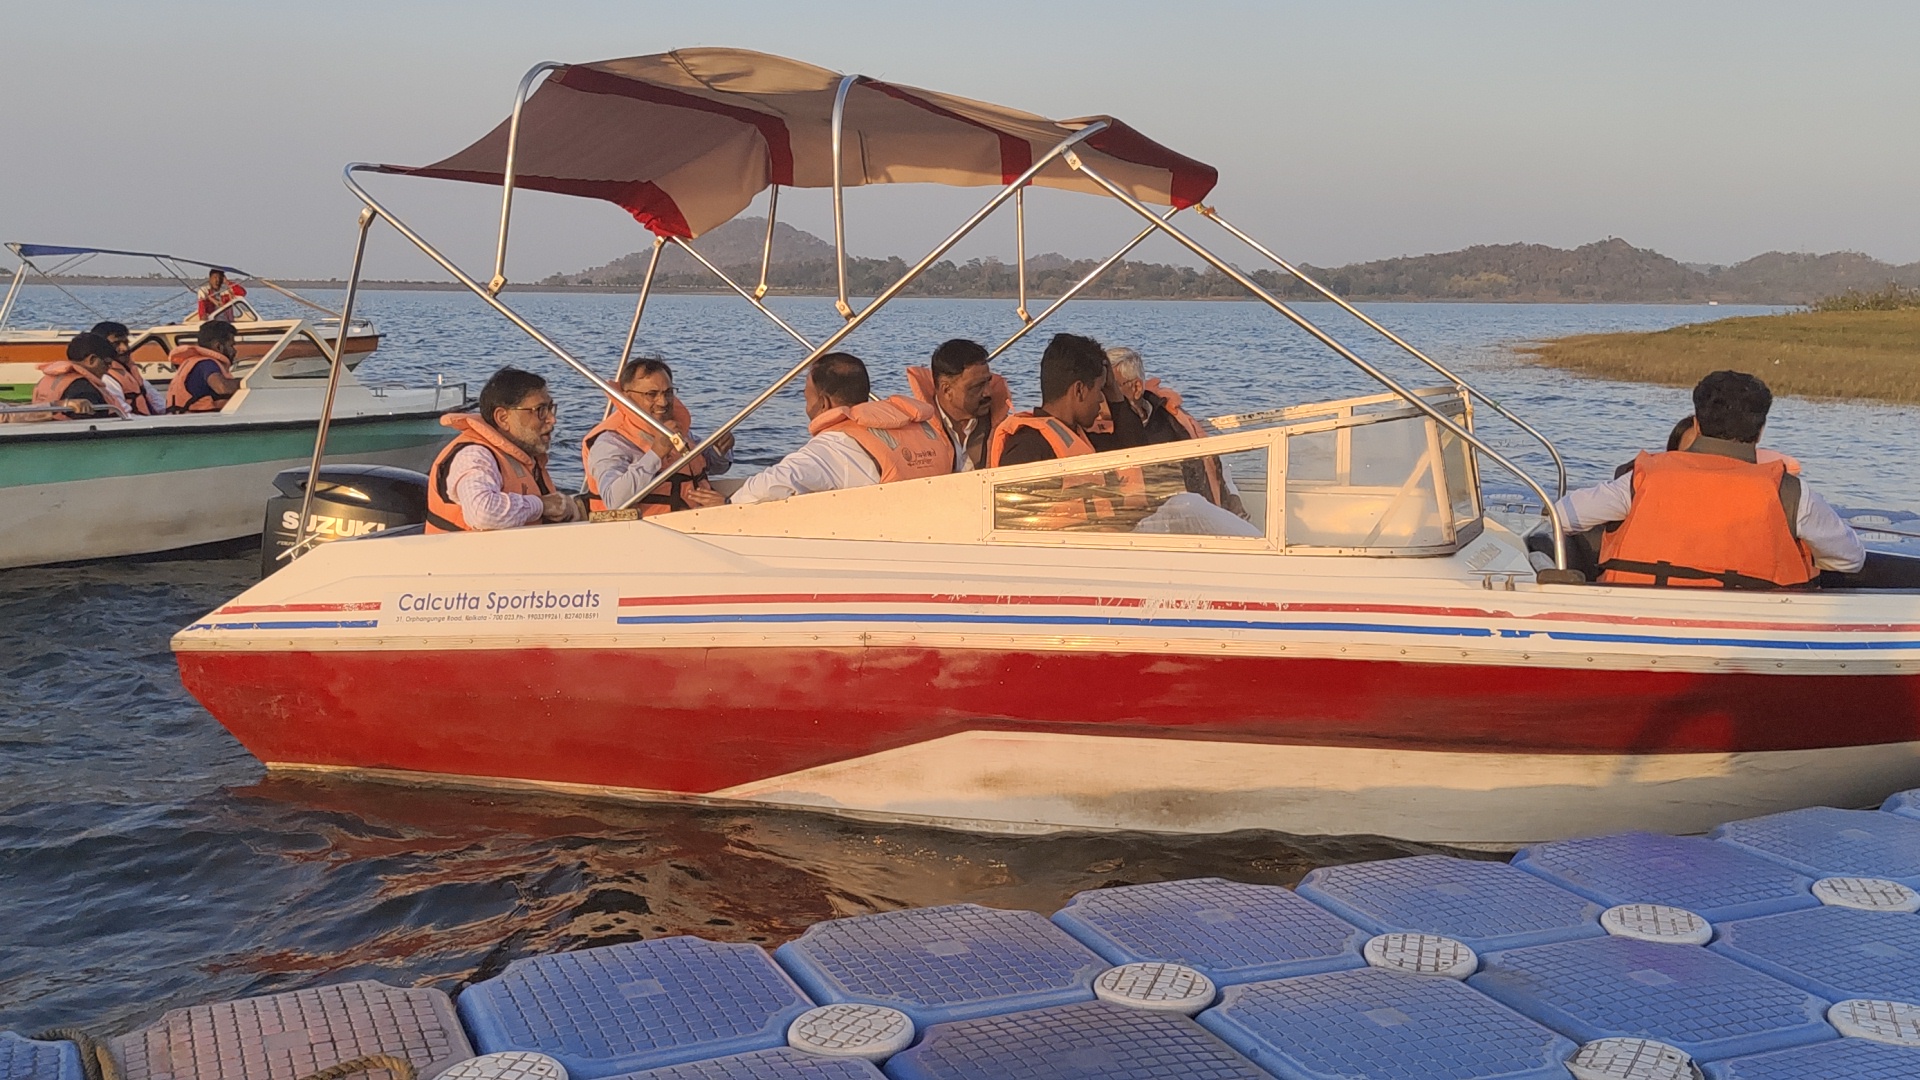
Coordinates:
[685,140]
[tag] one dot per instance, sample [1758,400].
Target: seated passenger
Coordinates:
[971,399]
[81,382]
[1687,430]
[493,475]
[203,373]
[220,299]
[1074,380]
[856,442]
[623,454]
[1713,514]
[142,398]
[1165,421]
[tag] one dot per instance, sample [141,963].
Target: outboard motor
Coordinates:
[348,501]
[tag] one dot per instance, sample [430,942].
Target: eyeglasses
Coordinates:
[651,395]
[543,412]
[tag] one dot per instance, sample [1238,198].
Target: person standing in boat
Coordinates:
[1713,514]
[220,299]
[81,381]
[970,398]
[203,371]
[493,475]
[143,398]
[623,453]
[855,442]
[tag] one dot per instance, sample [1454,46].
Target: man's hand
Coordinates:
[723,445]
[557,506]
[1110,385]
[704,496]
[78,407]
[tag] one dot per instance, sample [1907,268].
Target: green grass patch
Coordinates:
[1862,353]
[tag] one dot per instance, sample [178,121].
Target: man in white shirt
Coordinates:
[855,442]
[1713,514]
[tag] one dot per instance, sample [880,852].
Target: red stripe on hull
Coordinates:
[697,720]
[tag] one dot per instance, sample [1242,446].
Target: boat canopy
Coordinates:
[685,140]
[29,251]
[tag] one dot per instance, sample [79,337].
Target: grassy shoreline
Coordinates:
[1845,355]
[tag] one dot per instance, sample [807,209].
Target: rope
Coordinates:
[401,1068]
[91,1053]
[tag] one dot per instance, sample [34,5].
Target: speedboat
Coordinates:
[1368,651]
[106,487]
[23,349]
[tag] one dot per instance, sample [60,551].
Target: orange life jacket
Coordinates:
[1130,484]
[999,404]
[184,359]
[669,496]
[520,474]
[900,434]
[1701,518]
[1216,477]
[56,383]
[1760,454]
[132,384]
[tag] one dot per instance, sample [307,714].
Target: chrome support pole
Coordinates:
[1065,146]
[336,363]
[13,290]
[640,305]
[744,293]
[507,172]
[766,248]
[1253,287]
[839,207]
[1559,464]
[1092,276]
[1020,250]
[613,392]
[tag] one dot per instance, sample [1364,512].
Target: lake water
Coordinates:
[146,861]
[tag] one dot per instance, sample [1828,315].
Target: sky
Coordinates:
[1343,132]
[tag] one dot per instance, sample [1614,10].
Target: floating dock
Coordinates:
[1784,947]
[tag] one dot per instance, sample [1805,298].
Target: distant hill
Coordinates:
[1606,271]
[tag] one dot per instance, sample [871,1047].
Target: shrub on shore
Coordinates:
[1893,297]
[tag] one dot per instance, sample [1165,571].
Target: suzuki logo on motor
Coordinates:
[330,528]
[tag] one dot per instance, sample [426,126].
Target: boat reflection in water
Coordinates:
[1370,651]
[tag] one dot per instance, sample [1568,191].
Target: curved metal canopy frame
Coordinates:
[1156,222]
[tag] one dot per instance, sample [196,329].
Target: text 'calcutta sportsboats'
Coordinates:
[1368,652]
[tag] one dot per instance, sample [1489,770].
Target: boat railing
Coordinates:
[1456,427]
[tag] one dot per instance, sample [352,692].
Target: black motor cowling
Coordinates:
[348,501]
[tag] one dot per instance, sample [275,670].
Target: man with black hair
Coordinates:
[203,371]
[970,399]
[623,453]
[80,382]
[1074,379]
[493,475]
[855,442]
[1713,514]
[142,398]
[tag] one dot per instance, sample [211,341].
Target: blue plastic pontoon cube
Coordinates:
[1904,803]
[780,1063]
[1824,842]
[1230,931]
[1835,952]
[1846,1059]
[22,1058]
[1072,1042]
[943,963]
[1714,881]
[1684,995]
[1371,1022]
[642,1005]
[1487,905]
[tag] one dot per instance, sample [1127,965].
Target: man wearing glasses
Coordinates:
[493,475]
